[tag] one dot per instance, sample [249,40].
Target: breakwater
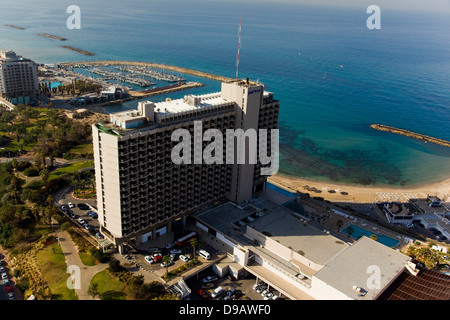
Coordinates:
[87,53]
[151,65]
[16,27]
[403,132]
[52,36]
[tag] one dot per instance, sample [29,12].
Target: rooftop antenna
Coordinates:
[239,48]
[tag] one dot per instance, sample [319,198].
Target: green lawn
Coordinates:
[109,287]
[82,150]
[71,168]
[52,263]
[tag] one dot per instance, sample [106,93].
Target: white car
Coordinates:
[10,296]
[71,205]
[4,275]
[81,221]
[149,259]
[184,258]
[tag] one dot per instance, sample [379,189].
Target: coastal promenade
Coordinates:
[151,65]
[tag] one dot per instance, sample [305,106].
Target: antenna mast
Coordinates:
[239,48]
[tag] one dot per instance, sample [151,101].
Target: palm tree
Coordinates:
[166,259]
[194,243]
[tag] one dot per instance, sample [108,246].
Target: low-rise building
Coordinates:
[299,260]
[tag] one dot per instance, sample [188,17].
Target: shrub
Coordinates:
[31,172]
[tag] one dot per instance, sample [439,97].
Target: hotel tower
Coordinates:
[141,191]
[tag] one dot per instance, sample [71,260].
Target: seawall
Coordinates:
[403,132]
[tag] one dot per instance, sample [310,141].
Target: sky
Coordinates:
[442,6]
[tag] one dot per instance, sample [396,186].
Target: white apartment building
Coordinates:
[18,78]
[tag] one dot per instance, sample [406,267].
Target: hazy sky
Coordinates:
[407,5]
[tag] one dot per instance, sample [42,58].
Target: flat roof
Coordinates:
[279,223]
[356,264]
[179,105]
[283,226]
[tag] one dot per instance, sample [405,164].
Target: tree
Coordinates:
[44,175]
[166,259]
[195,242]
[374,237]
[93,290]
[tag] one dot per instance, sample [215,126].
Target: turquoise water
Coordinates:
[359,232]
[398,75]
[54,84]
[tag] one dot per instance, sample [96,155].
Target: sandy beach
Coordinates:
[361,194]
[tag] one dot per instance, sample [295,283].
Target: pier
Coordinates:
[87,53]
[52,36]
[411,134]
[150,65]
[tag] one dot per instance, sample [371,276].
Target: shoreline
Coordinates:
[361,194]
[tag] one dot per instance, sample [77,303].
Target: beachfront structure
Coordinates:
[300,261]
[141,191]
[18,78]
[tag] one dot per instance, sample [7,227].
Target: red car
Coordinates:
[8,289]
[157,258]
[202,293]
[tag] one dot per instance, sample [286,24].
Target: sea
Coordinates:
[332,74]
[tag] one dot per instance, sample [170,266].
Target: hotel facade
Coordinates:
[141,191]
[18,78]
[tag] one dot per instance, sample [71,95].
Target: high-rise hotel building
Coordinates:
[18,78]
[141,191]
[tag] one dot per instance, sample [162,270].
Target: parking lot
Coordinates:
[206,282]
[7,289]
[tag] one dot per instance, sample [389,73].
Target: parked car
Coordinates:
[202,293]
[87,227]
[81,221]
[175,251]
[4,275]
[209,279]
[157,258]
[63,208]
[99,235]
[207,285]
[149,259]
[71,205]
[184,258]
[6,282]
[170,245]
[83,206]
[2,269]
[8,288]
[11,296]
[163,264]
[217,292]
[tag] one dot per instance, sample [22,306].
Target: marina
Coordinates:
[411,134]
[160,66]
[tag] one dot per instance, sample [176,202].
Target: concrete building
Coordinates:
[297,259]
[141,191]
[18,78]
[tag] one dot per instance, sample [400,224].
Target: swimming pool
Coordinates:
[358,232]
[53,84]
[280,190]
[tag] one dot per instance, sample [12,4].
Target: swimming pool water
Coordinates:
[359,232]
